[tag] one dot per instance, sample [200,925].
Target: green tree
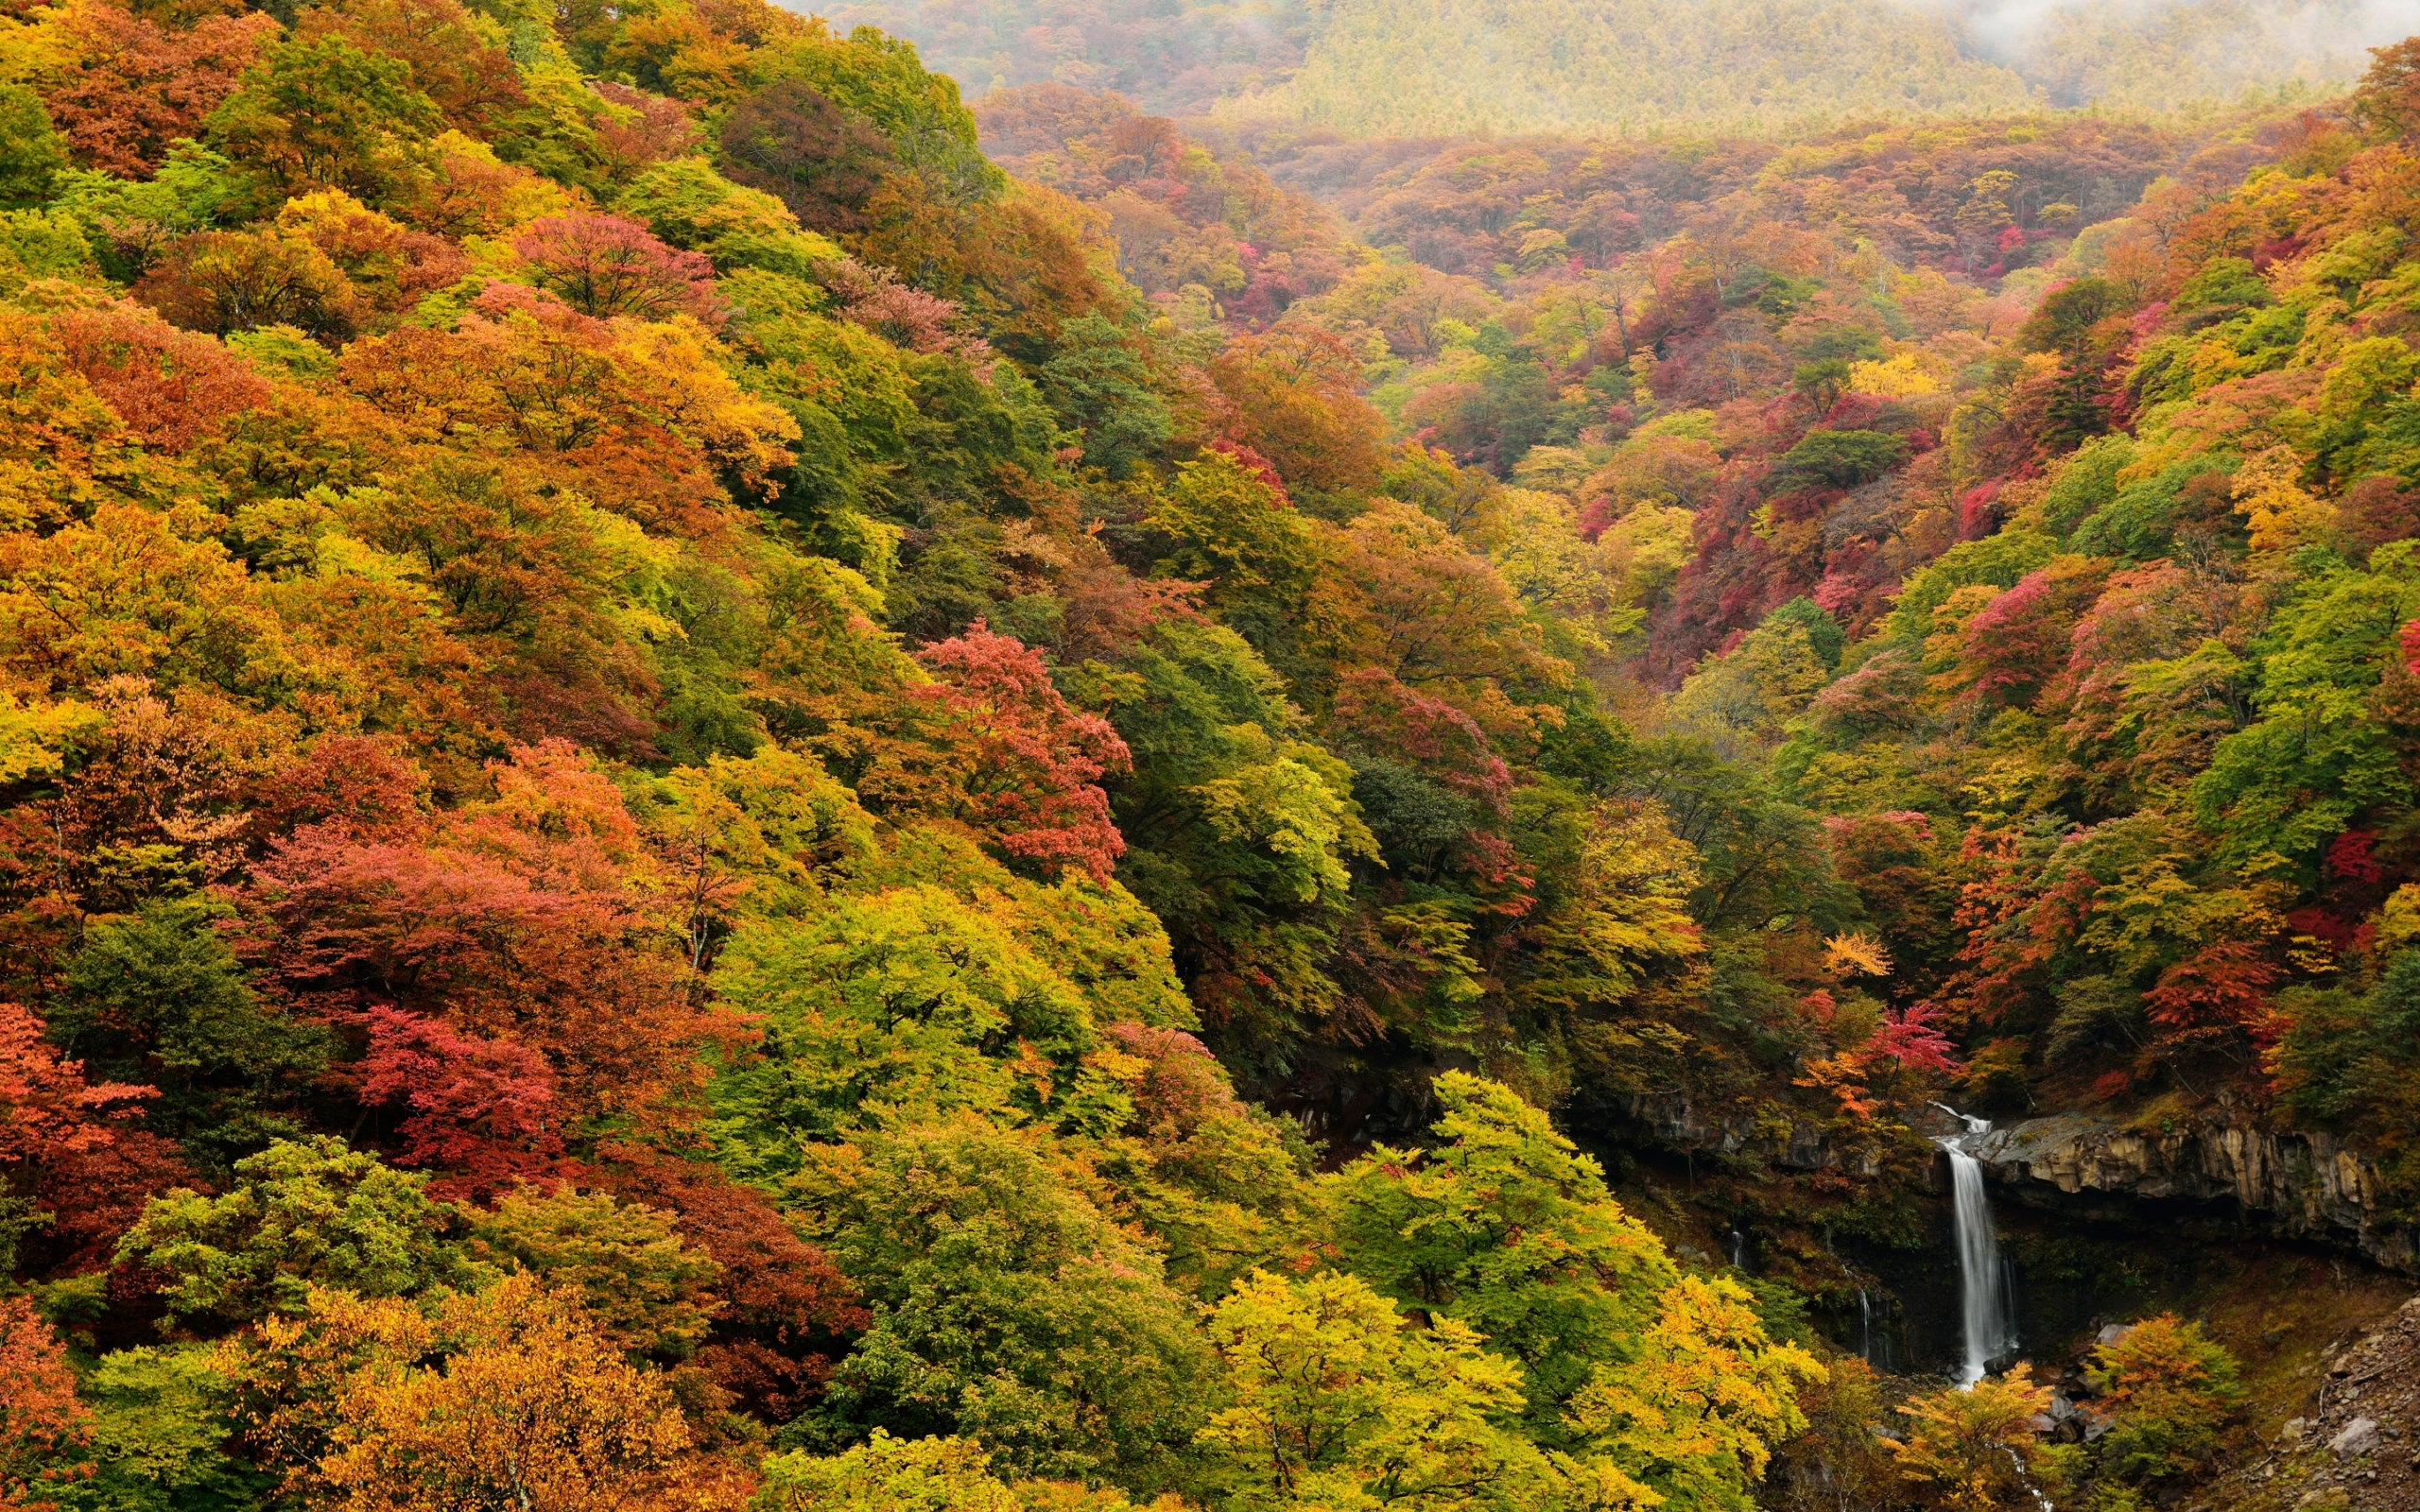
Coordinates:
[299,1214]
[162,1420]
[902,1005]
[321,114]
[1007,1308]
[1098,383]
[157,998]
[886,1474]
[642,1287]
[31,153]
[1505,1227]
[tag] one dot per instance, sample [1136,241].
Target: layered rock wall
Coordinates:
[2298,1186]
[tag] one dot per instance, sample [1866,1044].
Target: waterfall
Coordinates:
[1983,1278]
[1864,1327]
[1738,1250]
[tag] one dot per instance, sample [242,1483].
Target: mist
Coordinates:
[2264,37]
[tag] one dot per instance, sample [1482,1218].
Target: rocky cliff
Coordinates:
[2296,1186]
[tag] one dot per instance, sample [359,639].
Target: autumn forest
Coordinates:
[1682,773]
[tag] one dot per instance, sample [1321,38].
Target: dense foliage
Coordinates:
[1397,68]
[705,800]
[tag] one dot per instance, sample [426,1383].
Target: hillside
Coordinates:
[1641,67]
[724,785]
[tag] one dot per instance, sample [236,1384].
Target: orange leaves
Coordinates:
[138,87]
[507,1398]
[170,386]
[45,1106]
[41,1423]
[644,414]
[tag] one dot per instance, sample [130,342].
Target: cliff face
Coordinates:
[2295,1186]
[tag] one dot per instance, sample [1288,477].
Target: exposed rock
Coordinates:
[2112,1334]
[1672,1119]
[2359,1436]
[2302,1186]
[2327,1498]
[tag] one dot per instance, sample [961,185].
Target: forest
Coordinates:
[726,784]
[1646,68]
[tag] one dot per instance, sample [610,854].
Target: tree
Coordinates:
[886,1474]
[992,744]
[526,1405]
[604,266]
[1506,1227]
[299,1215]
[1696,1413]
[31,152]
[138,88]
[1007,1309]
[1096,381]
[1969,1450]
[160,1437]
[43,1426]
[2169,1387]
[1338,1400]
[321,114]
[1228,529]
[905,1004]
[642,1288]
[159,995]
[820,161]
[1298,398]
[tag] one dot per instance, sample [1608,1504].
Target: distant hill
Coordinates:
[1642,67]
[1171,57]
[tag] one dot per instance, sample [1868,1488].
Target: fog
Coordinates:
[2012,29]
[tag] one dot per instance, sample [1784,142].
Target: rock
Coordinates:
[2327,1498]
[2295,1185]
[2290,1435]
[2359,1436]
[2112,1334]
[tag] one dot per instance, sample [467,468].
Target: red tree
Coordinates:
[604,266]
[482,1109]
[994,745]
[41,1421]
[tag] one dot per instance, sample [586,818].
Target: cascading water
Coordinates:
[1864,1327]
[1989,1318]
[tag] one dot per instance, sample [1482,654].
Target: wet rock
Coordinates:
[2359,1436]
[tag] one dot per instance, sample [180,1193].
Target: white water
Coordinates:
[1985,1309]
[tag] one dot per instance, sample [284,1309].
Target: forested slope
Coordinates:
[1641,68]
[709,802]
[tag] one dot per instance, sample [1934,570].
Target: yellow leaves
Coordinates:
[2399,919]
[1855,953]
[2282,515]
[1969,1448]
[1695,1411]
[532,1409]
[1908,375]
[35,738]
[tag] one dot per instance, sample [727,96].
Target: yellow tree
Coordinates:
[1694,1415]
[1969,1450]
[510,1397]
